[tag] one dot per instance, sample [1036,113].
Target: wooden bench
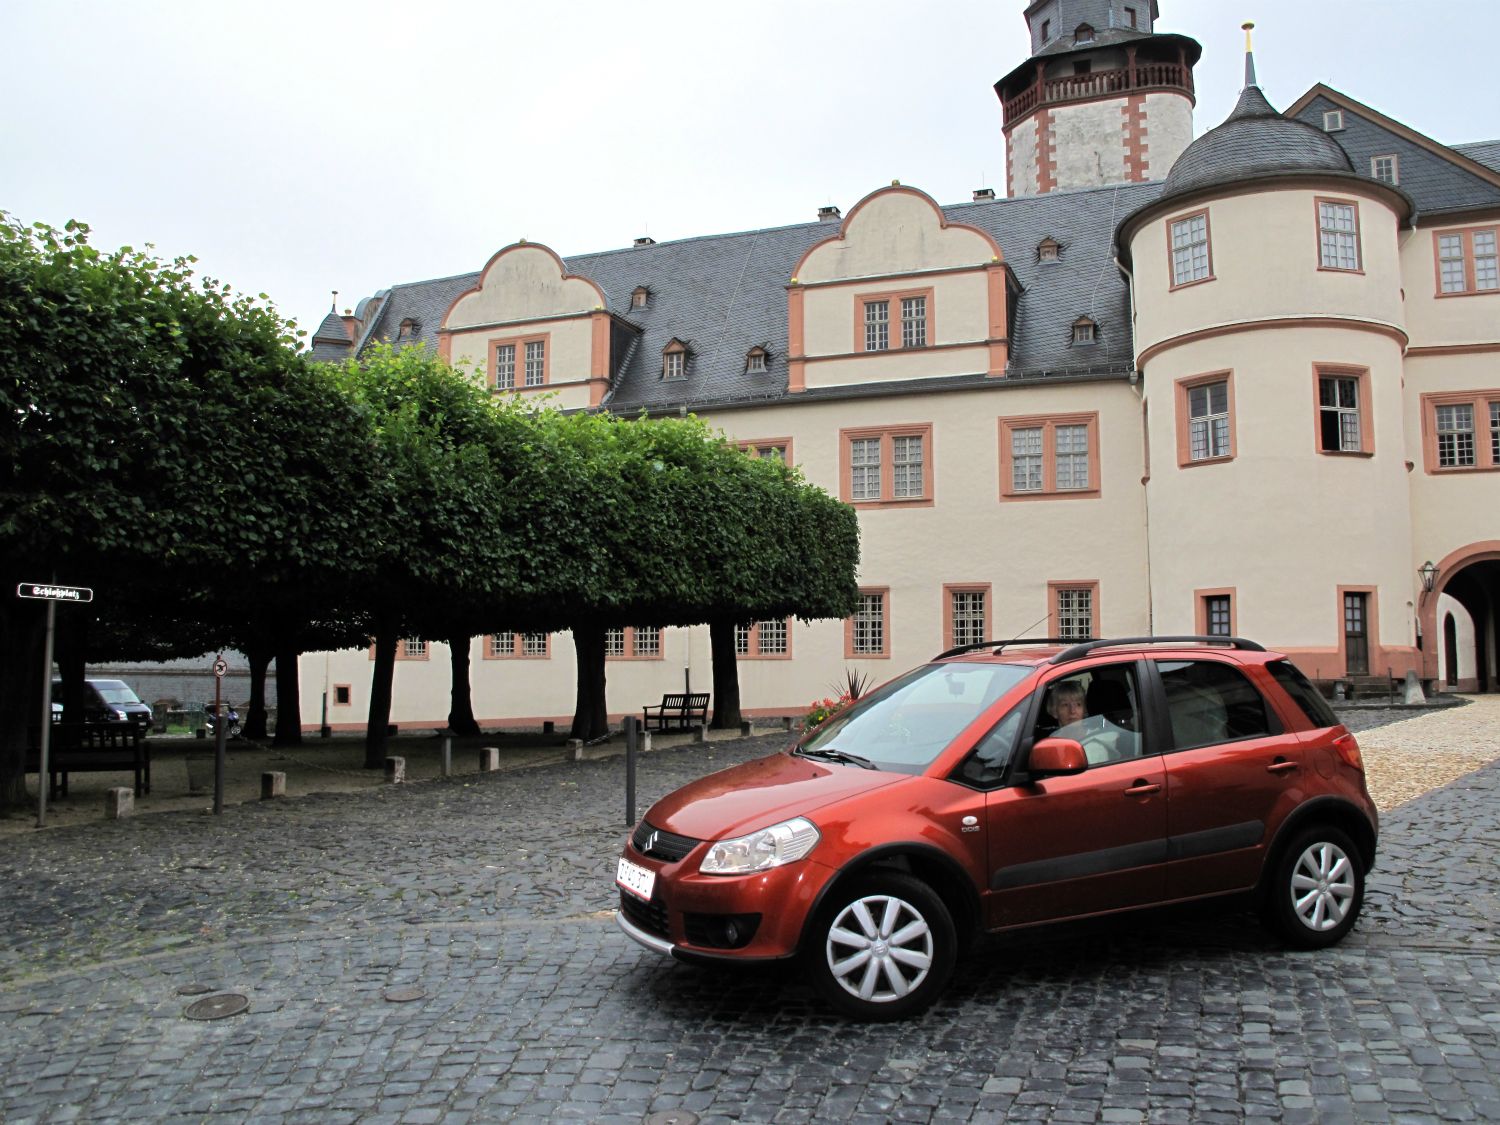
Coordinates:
[679,711]
[94,748]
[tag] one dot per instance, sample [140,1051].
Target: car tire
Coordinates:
[1316,889]
[856,965]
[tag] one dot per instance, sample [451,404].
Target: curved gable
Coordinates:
[524,281]
[896,230]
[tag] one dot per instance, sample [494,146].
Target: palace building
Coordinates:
[1245,384]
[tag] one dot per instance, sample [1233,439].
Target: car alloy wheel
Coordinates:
[885,948]
[1318,889]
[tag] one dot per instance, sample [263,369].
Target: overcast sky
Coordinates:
[301,147]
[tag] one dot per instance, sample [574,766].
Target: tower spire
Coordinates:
[1249,27]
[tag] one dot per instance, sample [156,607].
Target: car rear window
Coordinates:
[1303,694]
[1209,702]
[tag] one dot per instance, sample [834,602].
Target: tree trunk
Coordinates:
[255,710]
[288,696]
[726,675]
[461,707]
[382,677]
[23,631]
[590,716]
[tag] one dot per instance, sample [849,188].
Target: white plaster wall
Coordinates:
[1282,523]
[893,367]
[890,232]
[1435,320]
[1020,151]
[1251,282]
[1464,632]
[522,283]
[569,353]
[1449,510]
[958,312]
[1089,144]
[1169,130]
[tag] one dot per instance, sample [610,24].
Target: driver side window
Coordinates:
[1098,708]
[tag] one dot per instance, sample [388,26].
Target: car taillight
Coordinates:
[1348,750]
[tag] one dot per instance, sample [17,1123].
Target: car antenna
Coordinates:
[1019,636]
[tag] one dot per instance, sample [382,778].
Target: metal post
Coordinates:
[45,745]
[219,740]
[447,754]
[631,738]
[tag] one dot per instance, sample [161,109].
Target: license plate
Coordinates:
[637,880]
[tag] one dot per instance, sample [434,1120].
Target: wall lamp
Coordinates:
[1428,573]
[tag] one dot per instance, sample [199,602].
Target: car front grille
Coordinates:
[661,845]
[649,916]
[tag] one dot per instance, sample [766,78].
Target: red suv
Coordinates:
[1005,785]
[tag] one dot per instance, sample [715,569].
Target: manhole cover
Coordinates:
[403,995]
[673,1117]
[193,989]
[216,1007]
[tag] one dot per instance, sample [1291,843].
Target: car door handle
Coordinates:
[1282,767]
[1143,789]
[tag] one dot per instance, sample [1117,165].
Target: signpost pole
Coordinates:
[44,744]
[219,736]
[631,737]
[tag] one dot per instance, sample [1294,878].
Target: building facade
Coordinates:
[1248,384]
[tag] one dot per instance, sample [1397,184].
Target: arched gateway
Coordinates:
[1471,576]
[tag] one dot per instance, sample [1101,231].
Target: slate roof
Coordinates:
[725,294]
[331,341]
[1436,181]
[1254,140]
[1485,152]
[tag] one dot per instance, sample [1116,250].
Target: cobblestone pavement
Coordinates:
[492,895]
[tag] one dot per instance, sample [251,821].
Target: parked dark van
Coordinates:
[106,701]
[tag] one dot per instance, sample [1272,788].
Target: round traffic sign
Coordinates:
[220,667]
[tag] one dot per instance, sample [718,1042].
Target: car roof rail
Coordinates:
[1079,651]
[1001,645]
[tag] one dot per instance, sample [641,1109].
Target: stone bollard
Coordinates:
[700,732]
[786,721]
[118,803]
[1413,690]
[645,742]
[395,770]
[575,749]
[745,730]
[548,726]
[489,759]
[272,784]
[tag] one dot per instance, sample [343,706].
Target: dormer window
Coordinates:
[1084,34]
[755,361]
[1085,331]
[408,329]
[640,297]
[1048,250]
[674,360]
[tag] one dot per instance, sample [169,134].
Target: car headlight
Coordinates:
[770,847]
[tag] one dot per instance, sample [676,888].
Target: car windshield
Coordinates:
[905,725]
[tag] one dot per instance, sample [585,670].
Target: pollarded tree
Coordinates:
[124,458]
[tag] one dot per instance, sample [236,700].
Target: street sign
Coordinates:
[53,593]
[220,668]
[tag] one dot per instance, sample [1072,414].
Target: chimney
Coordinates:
[829,214]
[983,194]
[645,240]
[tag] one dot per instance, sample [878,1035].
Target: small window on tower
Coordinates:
[1130,17]
[1046,30]
[1333,121]
[1084,34]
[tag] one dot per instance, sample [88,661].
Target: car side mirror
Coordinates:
[1057,757]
